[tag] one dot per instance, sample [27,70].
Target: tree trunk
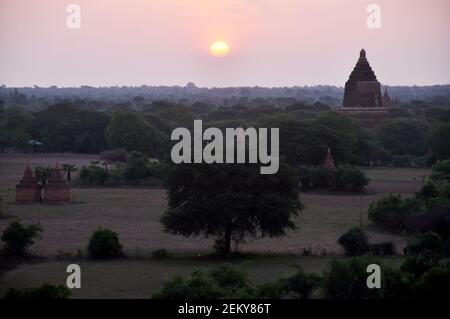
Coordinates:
[227,241]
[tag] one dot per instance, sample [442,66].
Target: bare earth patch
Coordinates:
[134,214]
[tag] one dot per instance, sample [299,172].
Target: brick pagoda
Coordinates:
[57,189]
[362,88]
[329,162]
[28,190]
[362,95]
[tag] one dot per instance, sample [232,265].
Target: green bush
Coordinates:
[94,175]
[323,178]
[434,283]
[104,243]
[346,279]
[199,285]
[231,280]
[397,284]
[350,178]
[222,282]
[441,172]
[18,238]
[427,192]
[426,242]
[45,291]
[445,191]
[354,242]
[301,285]
[137,167]
[269,291]
[344,178]
[391,211]
[419,264]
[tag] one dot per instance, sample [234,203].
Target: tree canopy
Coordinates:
[229,202]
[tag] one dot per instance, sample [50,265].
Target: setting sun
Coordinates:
[219,49]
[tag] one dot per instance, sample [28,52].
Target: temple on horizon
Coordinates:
[362,95]
[362,88]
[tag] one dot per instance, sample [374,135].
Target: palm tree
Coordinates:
[68,168]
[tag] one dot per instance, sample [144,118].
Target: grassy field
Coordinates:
[134,214]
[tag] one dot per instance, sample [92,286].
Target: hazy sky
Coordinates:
[272,42]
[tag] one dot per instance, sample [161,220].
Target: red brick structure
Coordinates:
[329,162]
[28,190]
[387,101]
[362,88]
[57,189]
[362,95]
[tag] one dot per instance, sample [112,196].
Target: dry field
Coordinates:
[134,214]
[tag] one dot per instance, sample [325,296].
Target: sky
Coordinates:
[272,42]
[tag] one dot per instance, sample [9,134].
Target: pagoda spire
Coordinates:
[362,53]
[329,162]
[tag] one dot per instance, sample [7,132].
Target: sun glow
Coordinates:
[219,49]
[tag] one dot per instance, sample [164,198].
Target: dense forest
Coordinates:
[90,120]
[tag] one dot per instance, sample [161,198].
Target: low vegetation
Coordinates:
[104,243]
[18,237]
[344,178]
[45,291]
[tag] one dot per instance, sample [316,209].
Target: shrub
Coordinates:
[350,178]
[437,220]
[301,285]
[160,254]
[426,242]
[397,284]
[382,249]
[137,167]
[419,264]
[104,243]
[198,285]
[391,211]
[18,238]
[222,282]
[436,203]
[45,291]
[434,283]
[230,279]
[94,175]
[344,178]
[306,179]
[346,279]
[427,192]
[441,171]
[323,178]
[269,291]
[445,191]
[354,242]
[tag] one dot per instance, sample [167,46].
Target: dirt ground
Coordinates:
[134,214]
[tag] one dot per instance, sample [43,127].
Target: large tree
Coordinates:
[229,202]
[305,142]
[403,136]
[129,130]
[440,141]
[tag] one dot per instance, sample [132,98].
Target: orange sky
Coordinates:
[272,42]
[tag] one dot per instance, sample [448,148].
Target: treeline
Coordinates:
[100,98]
[418,133]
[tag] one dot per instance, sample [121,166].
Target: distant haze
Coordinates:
[272,42]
